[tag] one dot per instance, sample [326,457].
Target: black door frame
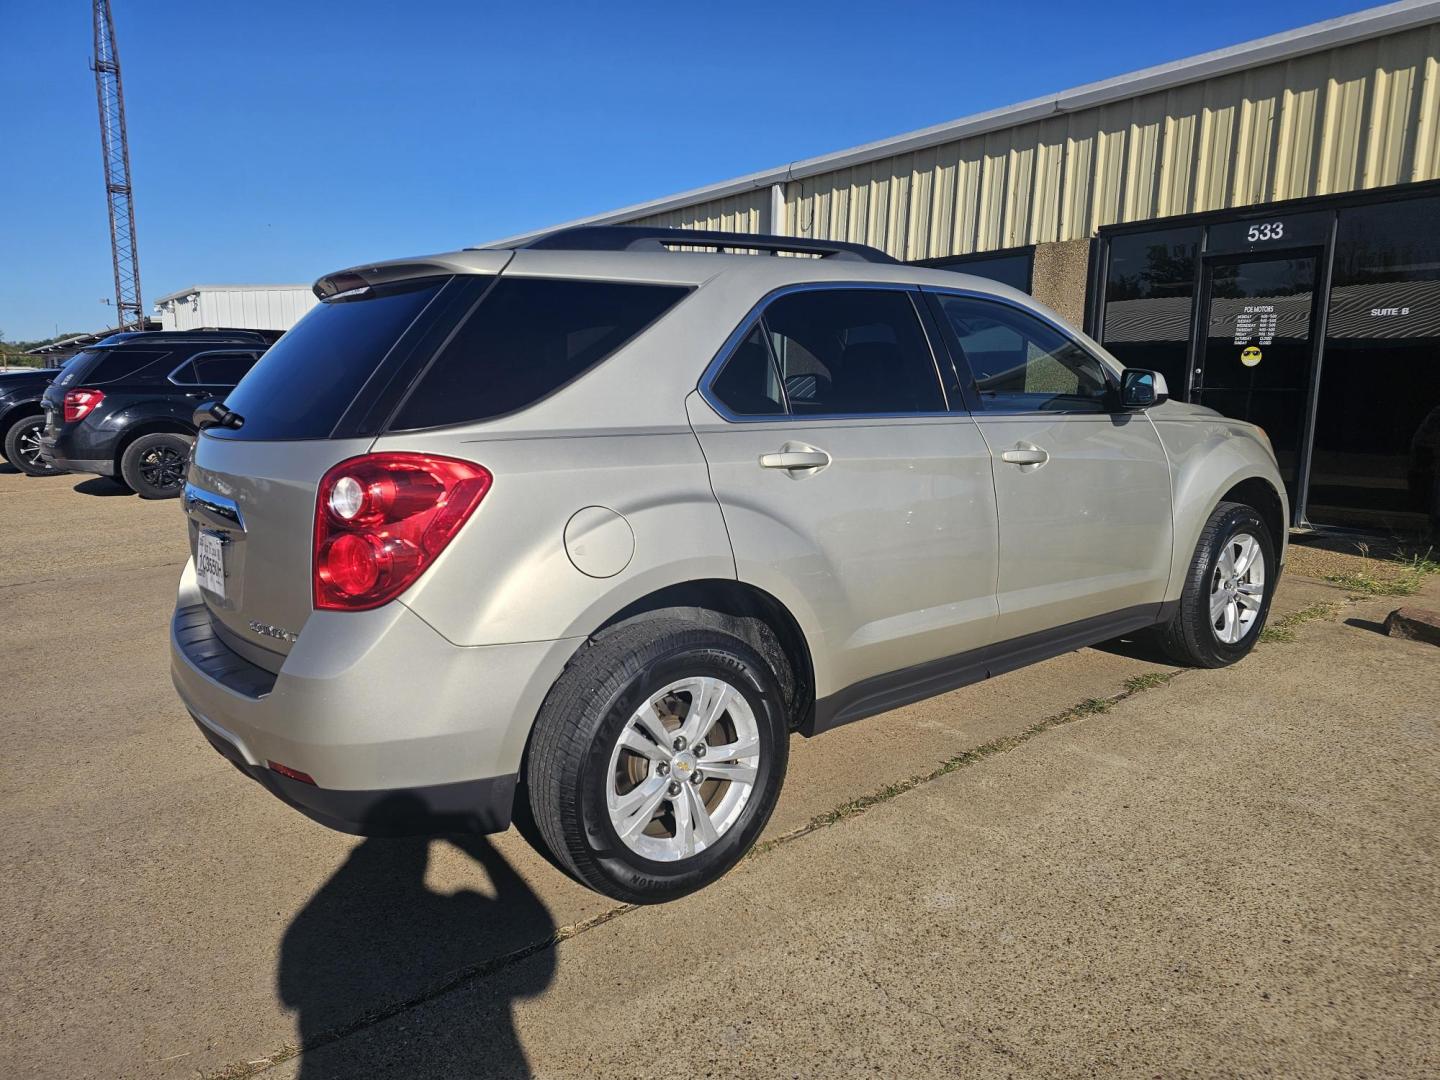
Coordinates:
[1200,338]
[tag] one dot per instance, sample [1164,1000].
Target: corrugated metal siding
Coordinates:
[746,212]
[1362,116]
[240,308]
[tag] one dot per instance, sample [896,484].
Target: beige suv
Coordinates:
[583,531]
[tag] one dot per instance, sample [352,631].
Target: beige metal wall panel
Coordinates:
[1363,115]
[746,212]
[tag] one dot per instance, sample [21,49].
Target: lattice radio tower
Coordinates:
[115,147]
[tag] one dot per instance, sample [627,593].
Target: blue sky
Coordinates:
[273,142]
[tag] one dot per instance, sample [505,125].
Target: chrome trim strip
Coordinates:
[221,512]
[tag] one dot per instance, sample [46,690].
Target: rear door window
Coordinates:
[302,387]
[852,352]
[223,368]
[528,338]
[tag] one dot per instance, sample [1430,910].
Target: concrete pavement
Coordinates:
[1228,873]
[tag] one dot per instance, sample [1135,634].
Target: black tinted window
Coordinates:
[97,367]
[852,352]
[749,385]
[528,337]
[223,369]
[304,384]
[1021,362]
[1014,270]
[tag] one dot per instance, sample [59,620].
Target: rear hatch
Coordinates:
[98,367]
[316,398]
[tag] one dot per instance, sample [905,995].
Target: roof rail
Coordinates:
[646,238]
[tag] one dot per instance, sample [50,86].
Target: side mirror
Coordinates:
[1140,389]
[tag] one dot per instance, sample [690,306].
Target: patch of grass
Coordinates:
[1149,681]
[1283,629]
[1400,573]
[1398,576]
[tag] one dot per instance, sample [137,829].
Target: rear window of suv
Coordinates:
[301,388]
[528,338]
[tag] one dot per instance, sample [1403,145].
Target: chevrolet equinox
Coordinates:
[586,528]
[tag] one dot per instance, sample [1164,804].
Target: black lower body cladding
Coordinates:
[474,806]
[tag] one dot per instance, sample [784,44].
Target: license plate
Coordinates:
[210,564]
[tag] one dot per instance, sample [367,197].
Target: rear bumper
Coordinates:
[473,806]
[400,730]
[54,451]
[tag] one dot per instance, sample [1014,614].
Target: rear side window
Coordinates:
[529,337]
[301,388]
[98,367]
[749,384]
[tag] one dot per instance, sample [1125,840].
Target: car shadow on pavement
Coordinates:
[1139,647]
[360,961]
[102,485]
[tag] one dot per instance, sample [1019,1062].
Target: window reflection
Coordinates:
[1149,291]
[1377,428]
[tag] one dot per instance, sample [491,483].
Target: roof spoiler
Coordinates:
[363,277]
[645,238]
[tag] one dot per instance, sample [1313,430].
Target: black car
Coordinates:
[124,408]
[22,419]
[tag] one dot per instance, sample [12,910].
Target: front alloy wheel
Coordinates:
[1227,590]
[1237,588]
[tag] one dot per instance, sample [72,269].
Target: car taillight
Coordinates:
[81,403]
[382,519]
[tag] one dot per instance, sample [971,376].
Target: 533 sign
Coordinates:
[1265,230]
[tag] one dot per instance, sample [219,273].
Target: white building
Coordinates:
[241,307]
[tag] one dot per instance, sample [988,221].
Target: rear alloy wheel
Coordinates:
[154,465]
[657,758]
[22,447]
[1227,590]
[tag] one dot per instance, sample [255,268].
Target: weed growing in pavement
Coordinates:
[1149,681]
[1283,629]
[1402,577]
[1400,572]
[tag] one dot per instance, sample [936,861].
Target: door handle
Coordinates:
[1025,455]
[795,456]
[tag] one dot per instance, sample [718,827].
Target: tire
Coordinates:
[576,769]
[1192,636]
[22,447]
[153,466]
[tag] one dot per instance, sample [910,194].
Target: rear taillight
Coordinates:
[81,403]
[382,519]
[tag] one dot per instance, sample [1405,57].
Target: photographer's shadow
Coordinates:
[374,938]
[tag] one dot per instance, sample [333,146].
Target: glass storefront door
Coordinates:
[1255,358]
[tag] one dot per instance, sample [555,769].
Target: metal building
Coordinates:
[1279,198]
[242,307]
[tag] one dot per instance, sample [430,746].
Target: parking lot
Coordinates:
[1089,867]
